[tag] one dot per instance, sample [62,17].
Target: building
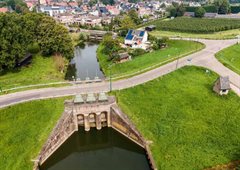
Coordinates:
[136,38]
[53,10]
[222,85]
[123,57]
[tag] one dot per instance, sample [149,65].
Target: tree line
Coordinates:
[31,32]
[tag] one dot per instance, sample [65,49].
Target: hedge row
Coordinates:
[213,9]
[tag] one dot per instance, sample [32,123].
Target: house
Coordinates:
[53,10]
[123,57]
[222,85]
[136,38]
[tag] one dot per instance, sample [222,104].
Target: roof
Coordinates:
[3,10]
[151,26]
[134,33]
[224,83]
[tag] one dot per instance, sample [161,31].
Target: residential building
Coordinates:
[136,38]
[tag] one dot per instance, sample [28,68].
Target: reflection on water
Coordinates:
[86,63]
[105,149]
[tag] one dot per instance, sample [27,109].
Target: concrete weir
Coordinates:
[91,111]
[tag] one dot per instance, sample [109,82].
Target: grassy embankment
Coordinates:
[41,70]
[230,57]
[191,127]
[198,28]
[175,49]
[23,130]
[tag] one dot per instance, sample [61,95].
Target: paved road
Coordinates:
[204,58]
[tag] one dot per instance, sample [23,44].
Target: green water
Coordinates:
[105,149]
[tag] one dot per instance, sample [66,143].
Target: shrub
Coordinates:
[137,52]
[199,12]
[33,48]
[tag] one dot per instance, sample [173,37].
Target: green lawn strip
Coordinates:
[176,48]
[42,70]
[24,128]
[191,127]
[229,34]
[230,57]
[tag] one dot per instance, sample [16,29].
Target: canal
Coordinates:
[85,63]
[104,149]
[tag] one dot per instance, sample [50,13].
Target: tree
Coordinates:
[199,12]
[126,24]
[223,6]
[33,32]
[134,16]
[110,45]
[172,11]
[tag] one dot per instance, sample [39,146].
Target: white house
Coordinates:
[53,10]
[136,38]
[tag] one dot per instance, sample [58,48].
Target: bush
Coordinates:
[33,48]
[199,12]
[137,52]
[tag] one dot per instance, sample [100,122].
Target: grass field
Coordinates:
[23,130]
[42,70]
[191,127]
[230,57]
[197,25]
[177,48]
[229,34]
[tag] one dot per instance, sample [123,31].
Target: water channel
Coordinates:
[85,63]
[104,149]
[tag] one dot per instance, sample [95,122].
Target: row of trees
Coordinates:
[218,6]
[20,34]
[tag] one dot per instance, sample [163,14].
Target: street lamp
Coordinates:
[110,76]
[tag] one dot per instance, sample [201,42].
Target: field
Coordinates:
[230,57]
[191,127]
[23,130]
[196,25]
[175,49]
[42,70]
[229,34]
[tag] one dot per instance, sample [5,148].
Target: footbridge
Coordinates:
[91,111]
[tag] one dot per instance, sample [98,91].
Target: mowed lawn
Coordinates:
[41,70]
[230,57]
[175,49]
[24,128]
[191,127]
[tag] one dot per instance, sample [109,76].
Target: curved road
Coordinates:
[204,58]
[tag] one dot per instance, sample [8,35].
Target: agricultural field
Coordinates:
[229,34]
[190,126]
[230,57]
[24,128]
[175,49]
[197,25]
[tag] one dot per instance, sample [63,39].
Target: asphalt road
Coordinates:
[204,58]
